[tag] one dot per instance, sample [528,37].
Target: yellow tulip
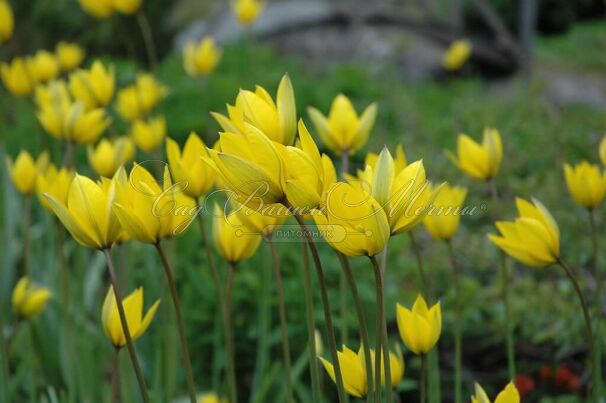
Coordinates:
[53,94]
[94,86]
[508,395]
[72,122]
[147,211]
[55,182]
[127,6]
[98,8]
[352,221]
[343,131]
[456,55]
[29,300]
[108,155]
[24,170]
[211,397]
[133,309]
[444,215]
[7,21]
[399,162]
[87,214]
[261,222]
[188,169]
[277,120]
[148,135]
[233,239]
[69,55]
[602,150]
[586,183]
[18,76]
[247,11]
[420,328]
[137,100]
[353,369]
[480,161]
[533,238]
[201,58]
[45,66]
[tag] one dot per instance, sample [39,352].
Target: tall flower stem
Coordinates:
[423,380]
[27,216]
[597,366]
[342,282]
[4,357]
[417,252]
[384,337]
[191,386]
[116,377]
[361,321]
[283,323]
[229,337]
[148,39]
[505,278]
[129,341]
[586,315]
[326,305]
[311,326]
[382,345]
[457,324]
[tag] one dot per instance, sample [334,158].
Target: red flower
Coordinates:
[525,384]
[564,377]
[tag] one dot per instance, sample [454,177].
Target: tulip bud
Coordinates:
[480,161]
[100,9]
[201,58]
[69,55]
[55,182]
[247,11]
[24,171]
[148,135]
[456,55]
[108,155]
[233,240]
[45,66]
[586,183]
[420,328]
[444,216]
[18,76]
[29,300]
[7,21]
[187,167]
[94,86]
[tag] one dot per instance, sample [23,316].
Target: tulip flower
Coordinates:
[233,239]
[247,11]
[201,58]
[343,131]
[55,182]
[148,135]
[352,221]
[69,55]
[480,161]
[444,215]
[354,370]
[602,150]
[24,170]
[94,86]
[586,183]
[100,9]
[87,214]
[108,155]
[399,162]
[18,76]
[508,395]
[420,328]
[52,94]
[533,238]
[137,100]
[187,168]
[258,222]
[29,300]
[45,66]
[277,120]
[133,308]
[211,397]
[7,21]
[456,55]
[128,7]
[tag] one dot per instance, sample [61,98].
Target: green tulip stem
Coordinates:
[116,377]
[416,249]
[68,154]
[311,327]
[597,369]
[326,305]
[27,216]
[361,321]
[4,357]
[423,381]
[283,323]
[129,341]
[343,311]
[148,39]
[229,336]
[457,323]
[191,386]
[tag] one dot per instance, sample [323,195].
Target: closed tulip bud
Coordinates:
[343,131]
[456,55]
[420,328]
[133,310]
[55,182]
[233,239]
[277,120]
[87,214]
[187,167]
[260,221]
[201,58]
[247,11]
[508,395]
[602,150]
[353,370]
[100,9]
[148,135]
[24,171]
[586,183]
[72,122]
[94,86]
[69,55]
[352,221]
[444,215]
[18,77]
[29,300]
[147,211]
[128,7]
[137,100]
[533,238]
[45,66]
[7,21]
[480,161]
[211,397]
[108,155]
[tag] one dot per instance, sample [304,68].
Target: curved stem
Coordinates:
[457,324]
[116,376]
[229,337]
[361,321]
[311,326]
[191,387]
[416,249]
[129,341]
[148,39]
[283,323]
[597,368]
[382,346]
